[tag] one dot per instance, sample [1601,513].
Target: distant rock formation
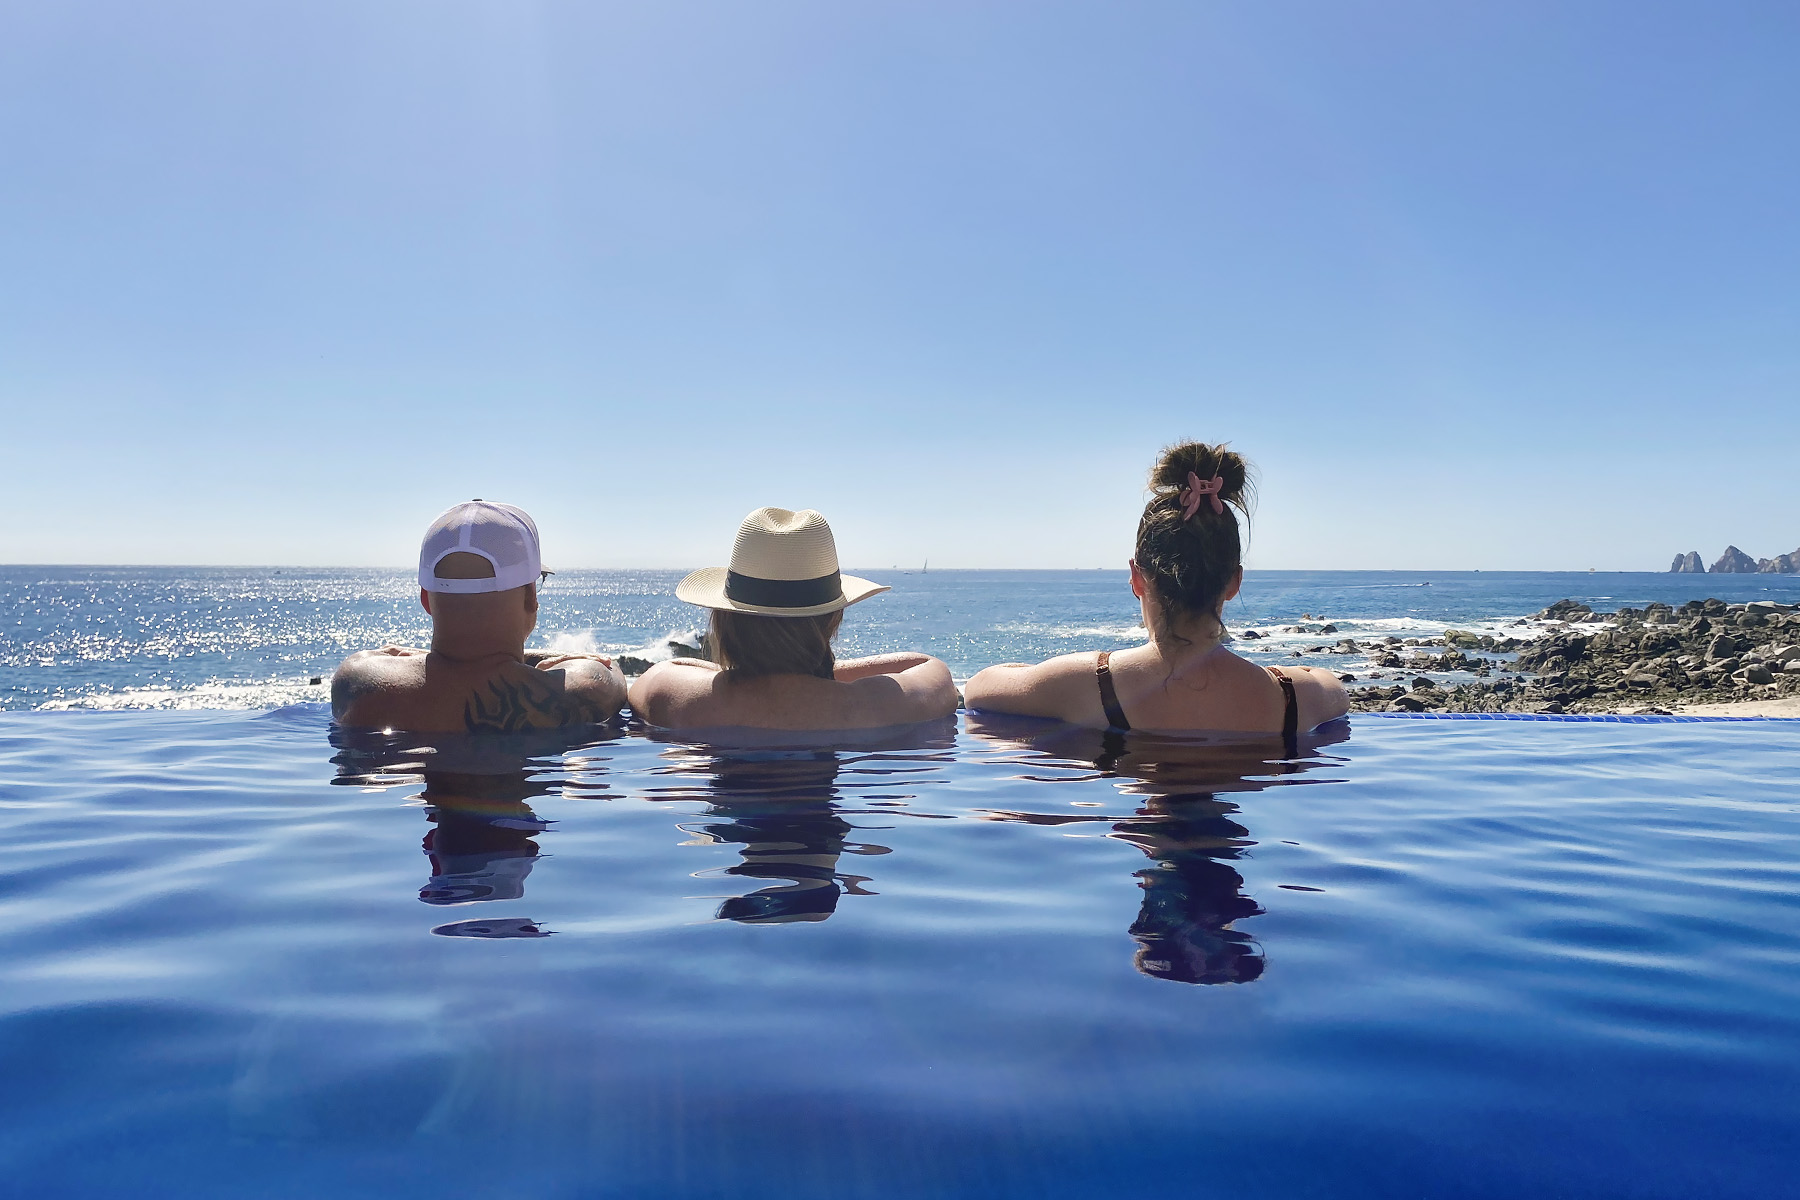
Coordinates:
[1734,562]
[1781,564]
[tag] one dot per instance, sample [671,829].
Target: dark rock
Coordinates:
[1688,564]
[1757,673]
[1346,679]
[1406,704]
[1564,610]
[1422,682]
[630,665]
[315,681]
[1250,635]
[1734,562]
[1723,646]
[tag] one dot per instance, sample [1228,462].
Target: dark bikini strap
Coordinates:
[1290,719]
[1109,697]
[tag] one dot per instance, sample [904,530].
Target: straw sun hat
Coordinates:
[783,564]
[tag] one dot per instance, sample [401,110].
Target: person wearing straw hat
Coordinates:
[775,611]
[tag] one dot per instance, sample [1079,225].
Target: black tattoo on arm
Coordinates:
[512,705]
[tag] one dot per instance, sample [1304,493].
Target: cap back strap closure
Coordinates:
[782,593]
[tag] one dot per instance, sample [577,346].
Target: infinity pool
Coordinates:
[1461,959]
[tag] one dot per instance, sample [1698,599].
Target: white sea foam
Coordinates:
[578,641]
[662,649]
[272,693]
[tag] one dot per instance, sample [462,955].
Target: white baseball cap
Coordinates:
[500,533]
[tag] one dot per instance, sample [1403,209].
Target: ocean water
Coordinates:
[243,954]
[209,638]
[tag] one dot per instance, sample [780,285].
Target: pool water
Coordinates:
[243,955]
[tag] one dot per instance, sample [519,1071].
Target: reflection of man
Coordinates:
[478,851]
[479,568]
[478,795]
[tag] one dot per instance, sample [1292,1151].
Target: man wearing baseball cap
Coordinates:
[479,567]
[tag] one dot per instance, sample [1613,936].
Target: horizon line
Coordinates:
[176,566]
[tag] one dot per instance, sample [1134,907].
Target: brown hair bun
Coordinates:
[1190,561]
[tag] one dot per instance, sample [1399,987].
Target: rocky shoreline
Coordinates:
[1649,659]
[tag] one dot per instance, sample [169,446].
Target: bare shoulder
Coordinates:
[666,687]
[368,673]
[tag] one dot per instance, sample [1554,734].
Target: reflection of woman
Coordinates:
[1192,894]
[1188,563]
[787,804]
[778,808]
[775,611]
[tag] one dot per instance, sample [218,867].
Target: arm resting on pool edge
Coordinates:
[849,670]
[926,690]
[1031,689]
[591,679]
[1319,695]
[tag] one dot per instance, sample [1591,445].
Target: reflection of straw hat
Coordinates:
[783,564]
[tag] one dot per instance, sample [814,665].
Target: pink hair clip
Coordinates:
[1195,491]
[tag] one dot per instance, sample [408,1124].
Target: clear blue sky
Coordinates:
[1501,286]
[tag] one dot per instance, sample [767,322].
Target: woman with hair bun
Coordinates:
[1189,562]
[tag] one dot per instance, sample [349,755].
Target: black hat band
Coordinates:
[783,593]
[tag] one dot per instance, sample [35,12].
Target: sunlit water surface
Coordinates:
[241,957]
[242,637]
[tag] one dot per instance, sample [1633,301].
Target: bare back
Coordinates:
[397,687]
[1216,691]
[894,689]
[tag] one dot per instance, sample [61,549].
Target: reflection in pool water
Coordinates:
[675,968]
[781,807]
[1192,895]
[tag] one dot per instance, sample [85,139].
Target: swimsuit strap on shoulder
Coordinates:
[1109,696]
[1290,719]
